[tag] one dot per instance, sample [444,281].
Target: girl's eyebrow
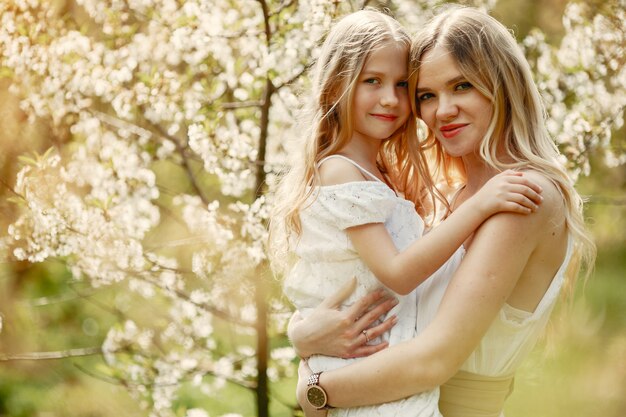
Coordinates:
[449,82]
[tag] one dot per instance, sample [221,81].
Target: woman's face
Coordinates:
[452,108]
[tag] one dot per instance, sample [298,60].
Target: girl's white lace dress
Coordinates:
[327,260]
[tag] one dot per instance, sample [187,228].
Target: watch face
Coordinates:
[316,396]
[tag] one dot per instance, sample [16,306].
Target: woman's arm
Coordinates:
[488,274]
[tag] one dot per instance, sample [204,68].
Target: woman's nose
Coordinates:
[446,108]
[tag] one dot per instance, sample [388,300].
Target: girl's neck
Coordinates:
[362,153]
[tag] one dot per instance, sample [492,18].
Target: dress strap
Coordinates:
[453,201]
[345,158]
[456,195]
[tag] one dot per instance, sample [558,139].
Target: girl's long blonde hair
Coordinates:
[330,127]
[488,57]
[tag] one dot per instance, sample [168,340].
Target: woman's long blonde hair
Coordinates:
[330,127]
[488,57]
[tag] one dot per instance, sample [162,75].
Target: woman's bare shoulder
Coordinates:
[548,218]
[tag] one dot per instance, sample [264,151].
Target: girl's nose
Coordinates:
[389,97]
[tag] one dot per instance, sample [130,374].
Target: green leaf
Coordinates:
[27,160]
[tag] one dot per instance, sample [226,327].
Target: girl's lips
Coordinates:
[385,117]
[449,131]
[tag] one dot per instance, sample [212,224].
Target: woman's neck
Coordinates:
[477,173]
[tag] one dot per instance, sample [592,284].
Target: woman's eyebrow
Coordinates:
[449,82]
[380,73]
[455,80]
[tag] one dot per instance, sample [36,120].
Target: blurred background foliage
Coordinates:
[579,369]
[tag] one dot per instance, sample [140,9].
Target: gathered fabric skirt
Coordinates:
[472,395]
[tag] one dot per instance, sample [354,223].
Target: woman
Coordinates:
[482,312]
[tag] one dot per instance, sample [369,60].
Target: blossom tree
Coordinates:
[170,121]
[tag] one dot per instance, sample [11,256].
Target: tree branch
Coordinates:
[60,354]
[209,309]
[127,383]
[122,124]
[281,7]
[295,77]
[242,105]
[182,151]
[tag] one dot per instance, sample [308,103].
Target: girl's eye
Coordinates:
[403,84]
[371,81]
[463,86]
[425,96]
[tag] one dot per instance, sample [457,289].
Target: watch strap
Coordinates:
[314,380]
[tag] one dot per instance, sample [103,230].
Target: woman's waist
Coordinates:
[469,394]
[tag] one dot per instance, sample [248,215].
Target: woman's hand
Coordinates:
[304,372]
[333,332]
[508,191]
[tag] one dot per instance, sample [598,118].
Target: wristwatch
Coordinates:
[315,394]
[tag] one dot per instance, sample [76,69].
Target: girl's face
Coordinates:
[452,108]
[381,102]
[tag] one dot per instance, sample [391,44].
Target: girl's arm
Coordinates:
[488,274]
[403,271]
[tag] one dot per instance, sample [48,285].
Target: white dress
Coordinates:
[513,333]
[327,260]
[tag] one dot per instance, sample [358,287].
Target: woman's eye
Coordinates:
[463,86]
[425,96]
[371,81]
[403,84]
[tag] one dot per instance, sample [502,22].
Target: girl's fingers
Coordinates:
[522,203]
[529,184]
[528,194]
[517,177]
[518,208]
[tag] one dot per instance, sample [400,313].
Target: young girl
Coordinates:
[351,209]
[480,315]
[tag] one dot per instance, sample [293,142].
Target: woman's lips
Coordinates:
[449,131]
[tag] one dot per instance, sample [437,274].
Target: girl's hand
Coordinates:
[332,332]
[508,191]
